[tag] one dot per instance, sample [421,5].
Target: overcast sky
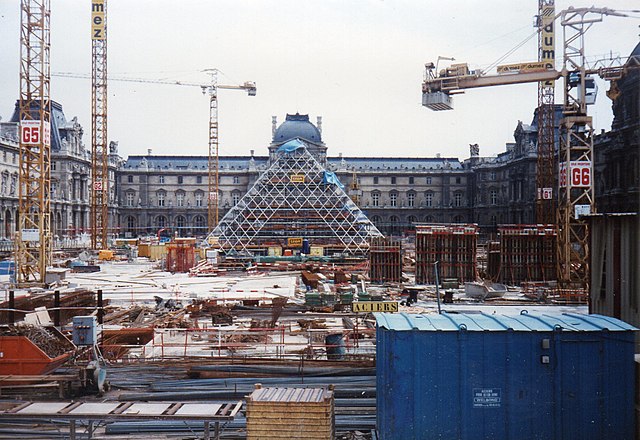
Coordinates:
[358,63]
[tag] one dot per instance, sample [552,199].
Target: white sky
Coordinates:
[357,63]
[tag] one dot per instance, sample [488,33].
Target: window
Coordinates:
[235,198]
[15,156]
[54,189]
[161,198]
[457,199]
[376,219]
[160,179]
[14,180]
[493,196]
[236,179]
[375,199]
[411,180]
[411,199]
[458,179]
[393,197]
[493,175]
[198,179]
[394,219]
[198,221]
[412,219]
[4,157]
[54,164]
[393,180]
[375,180]
[180,222]
[130,179]
[161,221]
[180,179]
[131,222]
[428,198]
[180,199]
[130,198]
[428,180]
[199,197]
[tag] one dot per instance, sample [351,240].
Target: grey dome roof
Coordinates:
[297,126]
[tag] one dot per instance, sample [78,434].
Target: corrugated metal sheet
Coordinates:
[484,322]
[529,376]
[284,395]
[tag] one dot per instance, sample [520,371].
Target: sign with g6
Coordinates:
[578,175]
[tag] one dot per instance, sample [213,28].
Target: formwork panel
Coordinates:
[527,253]
[385,260]
[453,246]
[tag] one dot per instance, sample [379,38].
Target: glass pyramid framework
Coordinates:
[295,198]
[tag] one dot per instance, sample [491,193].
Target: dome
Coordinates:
[297,126]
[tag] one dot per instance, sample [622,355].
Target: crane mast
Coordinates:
[99,191]
[545,167]
[33,240]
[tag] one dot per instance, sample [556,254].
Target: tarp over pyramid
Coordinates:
[295,198]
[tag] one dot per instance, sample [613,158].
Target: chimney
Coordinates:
[252,151]
[149,152]
[319,124]
[274,123]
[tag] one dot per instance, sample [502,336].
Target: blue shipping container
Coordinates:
[528,376]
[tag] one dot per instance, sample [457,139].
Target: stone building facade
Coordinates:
[70,176]
[394,192]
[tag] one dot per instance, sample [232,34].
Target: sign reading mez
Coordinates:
[98,22]
[374,306]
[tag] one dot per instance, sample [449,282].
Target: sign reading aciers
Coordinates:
[487,397]
[294,242]
[374,306]
[98,22]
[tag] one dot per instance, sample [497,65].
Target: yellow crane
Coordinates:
[33,238]
[575,183]
[213,158]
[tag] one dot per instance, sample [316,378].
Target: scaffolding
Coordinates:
[385,260]
[527,253]
[295,198]
[453,246]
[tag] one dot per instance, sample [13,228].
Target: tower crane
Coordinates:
[100,189]
[33,241]
[213,158]
[575,152]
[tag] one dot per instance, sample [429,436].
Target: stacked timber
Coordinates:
[290,413]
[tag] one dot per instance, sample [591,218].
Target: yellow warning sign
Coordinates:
[374,306]
[296,178]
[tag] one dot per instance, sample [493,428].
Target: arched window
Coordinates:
[428,219]
[198,221]
[181,222]
[131,223]
[161,221]
[412,219]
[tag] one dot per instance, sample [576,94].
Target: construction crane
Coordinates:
[545,167]
[33,241]
[212,90]
[575,183]
[100,188]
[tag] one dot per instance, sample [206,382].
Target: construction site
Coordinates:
[295,312]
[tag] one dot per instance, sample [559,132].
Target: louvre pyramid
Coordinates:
[295,198]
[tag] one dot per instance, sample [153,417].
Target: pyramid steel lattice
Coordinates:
[295,198]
